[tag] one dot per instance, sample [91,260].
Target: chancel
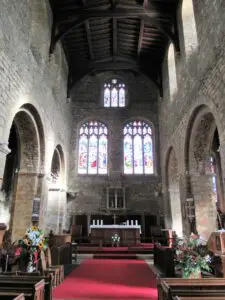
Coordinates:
[112,149]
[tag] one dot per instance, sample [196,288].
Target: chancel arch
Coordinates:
[56,203]
[22,180]
[174,211]
[204,170]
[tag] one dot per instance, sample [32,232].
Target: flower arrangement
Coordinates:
[191,256]
[32,243]
[116,238]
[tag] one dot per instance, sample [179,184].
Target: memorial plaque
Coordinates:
[36,209]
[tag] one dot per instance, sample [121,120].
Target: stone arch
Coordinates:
[174,212]
[56,206]
[199,147]
[26,141]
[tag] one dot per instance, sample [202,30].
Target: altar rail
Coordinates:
[164,260]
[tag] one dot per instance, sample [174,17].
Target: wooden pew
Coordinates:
[33,290]
[168,288]
[199,298]
[27,278]
[7,296]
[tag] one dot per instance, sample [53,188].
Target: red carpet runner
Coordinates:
[98,279]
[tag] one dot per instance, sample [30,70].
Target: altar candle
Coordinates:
[98,222]
[127,222]
[136,222]
[101,222]
[93,222]
[132,222]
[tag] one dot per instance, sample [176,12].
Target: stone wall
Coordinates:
[28,76]
[87,105]
[201,81]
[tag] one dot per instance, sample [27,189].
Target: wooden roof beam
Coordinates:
[152,16]
[115,48]
[88,33]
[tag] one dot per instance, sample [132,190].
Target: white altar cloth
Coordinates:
[116,226]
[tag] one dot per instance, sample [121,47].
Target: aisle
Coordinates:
[98,279]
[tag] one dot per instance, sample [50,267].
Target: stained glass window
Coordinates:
[138,148]
[114,93]
[93,144]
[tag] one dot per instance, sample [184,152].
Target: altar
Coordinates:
[102,234]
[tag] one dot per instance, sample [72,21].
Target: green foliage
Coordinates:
[191,255]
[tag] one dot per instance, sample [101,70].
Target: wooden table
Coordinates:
[102,235]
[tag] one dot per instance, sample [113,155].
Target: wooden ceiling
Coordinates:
[100,35]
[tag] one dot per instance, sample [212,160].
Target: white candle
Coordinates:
[98,222]
[132,222]
[127,222]
[101,222]
[136,222]
[93,222]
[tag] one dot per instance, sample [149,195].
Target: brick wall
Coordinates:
[201,81]
[90,195]
[28,76]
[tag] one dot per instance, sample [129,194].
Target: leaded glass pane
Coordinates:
[102,166]
[138,155]
[83,145]
[114,97]
[138,148]
[128,155]
[148,155]
[92,158]
[107,97]
[114,93]
[121,97]
[93,143]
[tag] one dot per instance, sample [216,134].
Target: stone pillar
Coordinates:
[205,206]
[4,210]
[22,203]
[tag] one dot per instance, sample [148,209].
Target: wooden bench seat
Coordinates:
[28,278]
[33,290]
[169,288]
[199,298]
[11,296]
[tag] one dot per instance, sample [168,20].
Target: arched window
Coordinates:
[172,71]
[138,148]
[114,93]
[93,144]
[189,27]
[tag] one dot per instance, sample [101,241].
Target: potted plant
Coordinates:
[115,240]
[191,256]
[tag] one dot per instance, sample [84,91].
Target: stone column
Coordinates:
[4,210]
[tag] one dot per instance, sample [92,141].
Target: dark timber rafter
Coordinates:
[114,21]
[79,16]
[141,33]
[88,33]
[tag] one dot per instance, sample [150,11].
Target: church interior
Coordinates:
[112,149]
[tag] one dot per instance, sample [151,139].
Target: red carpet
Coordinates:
[97,279]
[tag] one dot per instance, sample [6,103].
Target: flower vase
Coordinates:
[31,267]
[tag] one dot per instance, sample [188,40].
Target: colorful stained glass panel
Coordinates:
[138,155]
[92,157]
[83,144]
[148,155]
[128,155]
[102,166]
[121,97]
